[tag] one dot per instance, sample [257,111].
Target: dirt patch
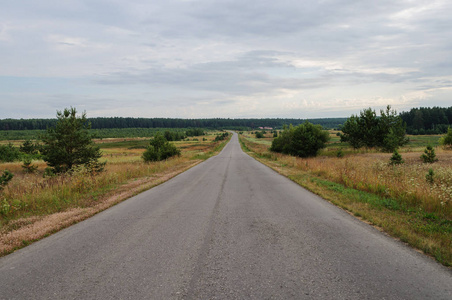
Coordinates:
[24,231]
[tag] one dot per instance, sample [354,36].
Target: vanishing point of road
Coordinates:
[229,228]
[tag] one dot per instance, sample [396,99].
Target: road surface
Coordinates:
[229,228]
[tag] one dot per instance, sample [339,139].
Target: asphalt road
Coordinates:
[229,228]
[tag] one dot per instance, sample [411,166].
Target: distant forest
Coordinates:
[423,120]
[117,122]
[427,120]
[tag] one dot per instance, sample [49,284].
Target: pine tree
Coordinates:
[69,143]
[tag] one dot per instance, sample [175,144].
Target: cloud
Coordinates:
[224,58]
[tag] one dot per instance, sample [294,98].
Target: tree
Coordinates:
[69,143]
[305,140]
[386,132]
[429,155]
[396,158]
[159,149]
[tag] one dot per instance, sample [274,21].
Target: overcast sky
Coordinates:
[236,59]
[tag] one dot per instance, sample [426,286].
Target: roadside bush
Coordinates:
[221,137]
[305,140]
[159,149]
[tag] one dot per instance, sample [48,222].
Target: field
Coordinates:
[402,199]
[33,206]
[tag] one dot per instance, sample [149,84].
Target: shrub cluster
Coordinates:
[221,137]
[174,135]
[195,132]
[386,132]
[159,149]
[305,140]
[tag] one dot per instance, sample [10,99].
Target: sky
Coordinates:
[223,59]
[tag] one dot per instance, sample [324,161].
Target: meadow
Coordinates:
[401,199]
[33,205]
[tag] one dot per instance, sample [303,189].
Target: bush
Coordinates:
[221,137]
[28,147]
[195,132]
[429,155]
[159,149]
[5,178]
[259,134]
[396,158]
[9,153]
[305,140]
[28,166]
[446,140]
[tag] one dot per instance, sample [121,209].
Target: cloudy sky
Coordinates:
[237,59]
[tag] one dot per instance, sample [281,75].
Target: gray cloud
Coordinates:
[207,58]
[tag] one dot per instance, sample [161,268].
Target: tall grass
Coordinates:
[371,172]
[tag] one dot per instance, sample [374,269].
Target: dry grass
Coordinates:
[371,172]
[33,206]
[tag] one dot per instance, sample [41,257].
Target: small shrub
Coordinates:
[259,134]
[339,153]
[28,166]
[446,140]
[429,176]
[5,178]
[429,155]
[396,159]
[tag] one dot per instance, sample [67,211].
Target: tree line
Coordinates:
[427,120]
[214,123]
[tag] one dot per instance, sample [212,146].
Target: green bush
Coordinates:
[221,136]
[446,140]
[9,153]
[159,149]
[5,178]
[259,134]
[305,140]
[429,155]
[396,158]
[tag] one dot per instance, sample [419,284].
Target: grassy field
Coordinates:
[33,206]
[397,199]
